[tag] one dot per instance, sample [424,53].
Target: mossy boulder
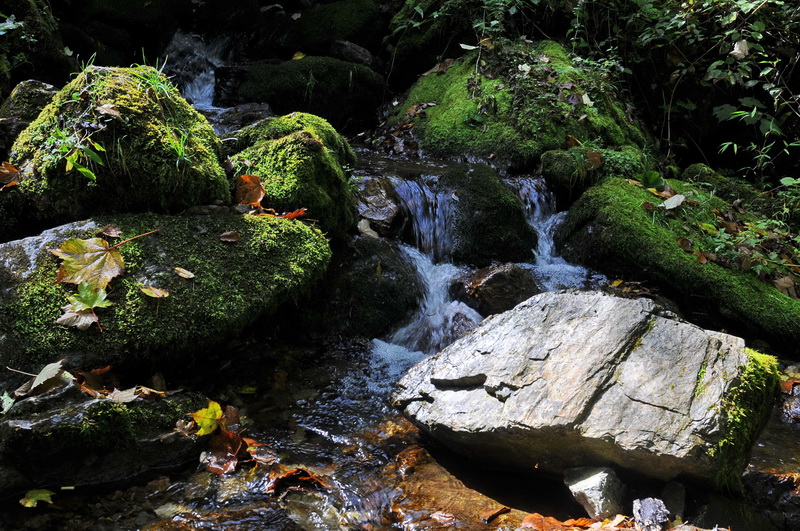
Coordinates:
[302,161]
[528,98]
[612,229]
[70,439]
[487,222]
[234,284]
[22,107]
[117,140]
[346,94]
[571,171]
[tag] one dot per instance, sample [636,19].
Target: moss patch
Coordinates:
[300,160]
[157,154]
[343,93]
[608,228]
[234,284]
[745,408]
[536,97]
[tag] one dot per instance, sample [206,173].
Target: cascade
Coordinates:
[191,62]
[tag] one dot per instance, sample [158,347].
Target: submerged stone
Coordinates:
[586,379]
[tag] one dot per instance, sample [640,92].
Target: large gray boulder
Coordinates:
[584,378]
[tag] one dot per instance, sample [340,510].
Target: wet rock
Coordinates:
[21,107]
[645,394]
[495,289]
[65,438]
[379,203]
[650,514]
[234,118]
[354,53]
[234,284]
[597,489]
[370,287]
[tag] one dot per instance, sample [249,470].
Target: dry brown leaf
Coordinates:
[230,236]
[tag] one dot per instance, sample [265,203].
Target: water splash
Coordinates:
[440,320]
[552,272]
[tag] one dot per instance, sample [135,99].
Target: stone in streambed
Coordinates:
[584,378]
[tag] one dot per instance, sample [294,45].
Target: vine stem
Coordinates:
[131,239]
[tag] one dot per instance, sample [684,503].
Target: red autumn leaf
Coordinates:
[223,451]
[595,159]
[249,190]
[648,206]
[8,174]
[230,420]
[260,452]
[96,380]
[230,236]
[787,386]
[541,523]
[296,214]
[579,522]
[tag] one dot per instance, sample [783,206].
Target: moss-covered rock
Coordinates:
[118,140]
[537,97]
[488,222]
[73,440]
[610,228]
[570,172]
[301,160]
[346,94]
[235,283]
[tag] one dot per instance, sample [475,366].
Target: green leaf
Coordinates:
[790,181]
[35,496]
[207,419]
[156,293]
[88,298]
[90,261]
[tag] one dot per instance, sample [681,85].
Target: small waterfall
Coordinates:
[552,272]
[192,62]
[440,320]
[431,211]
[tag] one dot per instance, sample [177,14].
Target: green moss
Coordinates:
[518,116]
[343,93]
[745,407]
[609,229]
[300,160]
[234,284]
[160,154]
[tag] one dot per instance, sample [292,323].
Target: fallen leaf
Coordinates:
[51,376]
[230,236]
[32,497]
[260,452]
[673,202]
[249,190]
[81,320]
[295,214]
[109,109]
[110,230]
[223,452]
[785,285]
[439,68]
[701,258]
[183,273]
[124,396]
[595,159]
[541,523]
[579,522]
[154,292]
[648,206]
[295,479]
[90,261]
[686,244]
[443,518]
[207,419]
[787,386]
[8,173]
